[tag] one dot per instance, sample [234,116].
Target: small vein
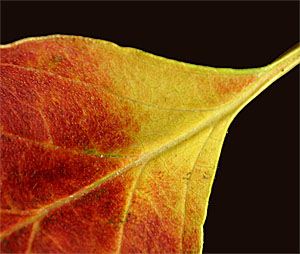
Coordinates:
[15,97]
[8,200]
[130,201]
[48,146]
[127,208]
[108,90]
[188,183]
[46,123]
[34,230]
[18,212]
[55,242]
[35,109]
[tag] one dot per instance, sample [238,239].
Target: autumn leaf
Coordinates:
[106,149]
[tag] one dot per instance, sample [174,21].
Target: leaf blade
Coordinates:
[160,132]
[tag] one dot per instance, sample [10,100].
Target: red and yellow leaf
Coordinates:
[107,149]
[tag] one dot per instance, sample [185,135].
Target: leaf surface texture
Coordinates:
[106,149]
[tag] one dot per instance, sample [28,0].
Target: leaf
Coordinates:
[107,149]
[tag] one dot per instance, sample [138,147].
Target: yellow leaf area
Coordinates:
[106,149]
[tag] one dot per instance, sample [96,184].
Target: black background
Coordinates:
[254,204]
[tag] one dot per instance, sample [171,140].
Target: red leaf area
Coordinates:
[49,200]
